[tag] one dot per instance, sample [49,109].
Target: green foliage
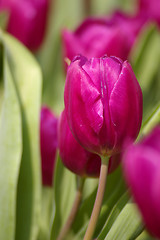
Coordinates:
[146,64]
[113,215]
[127,225]
[152,121]
[64,193]
[10,154]
[20,174]
[3,19]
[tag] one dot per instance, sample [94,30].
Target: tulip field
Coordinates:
[79,120]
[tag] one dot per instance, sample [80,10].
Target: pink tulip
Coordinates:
[75,157]
[141,166]
[151,9]
[27,20]
[131,25]
[103,103]
[49,143]
[96,37]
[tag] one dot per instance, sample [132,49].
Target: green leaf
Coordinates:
[62,14]
[64,193]
[144,236]
[128,224]
[47,212]
[145,55]
[90,186]
[113,215]
[146,64]
[26,75]
[152,121]
[4,16]
[10,154]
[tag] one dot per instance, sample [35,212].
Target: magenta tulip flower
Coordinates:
[131,25]
[96,37]
[141,166]
[27,20]
[75,157]
[103,103]
[151,9]
[48,143]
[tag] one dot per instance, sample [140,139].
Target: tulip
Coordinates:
[96,37]
[141,164]
[131,25]
[75,157]
[151,9]
[103,102]
[27,20]
[48,143]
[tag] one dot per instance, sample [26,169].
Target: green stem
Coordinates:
[87,6]
[74,210]
[98,202]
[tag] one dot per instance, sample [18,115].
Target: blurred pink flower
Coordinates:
[96,37]
[48,143]
[141,164]
[27,20]
[151,9]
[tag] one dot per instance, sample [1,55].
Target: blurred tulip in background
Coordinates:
[151,9]
[49,143]
[96,37]
[141,165]
[27,20]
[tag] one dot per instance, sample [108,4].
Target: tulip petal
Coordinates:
[73,155]
[88,120]
[126,105]
[71,45]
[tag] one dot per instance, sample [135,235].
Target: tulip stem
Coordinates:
[99,199]
[74,209]
[87,5]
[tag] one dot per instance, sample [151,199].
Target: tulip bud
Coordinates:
[75,157]
[96,37]
[48,142]
[103,103]
[27,20]
[141,165]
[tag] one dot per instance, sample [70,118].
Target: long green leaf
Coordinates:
[146,64]
[27,78]
[153,120]
[64,193]
[47,213]
[128,224]
[10,155]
